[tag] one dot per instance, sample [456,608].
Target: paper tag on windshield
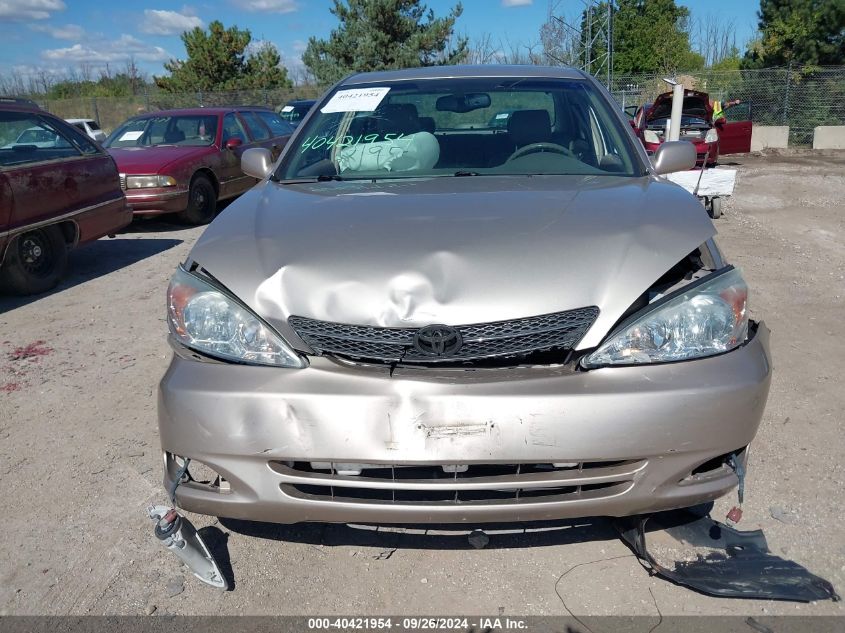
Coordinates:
[503,115]
[287,109]
[131,136]
[355,100]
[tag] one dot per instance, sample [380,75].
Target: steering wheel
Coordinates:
[531,148]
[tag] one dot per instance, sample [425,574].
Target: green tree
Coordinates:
[381,35]
[805,32]
[651,36]
[264,68]
[732,61]
[217,60]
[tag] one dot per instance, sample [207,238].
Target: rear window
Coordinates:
[275,123]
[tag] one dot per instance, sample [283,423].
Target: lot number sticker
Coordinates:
[355,100]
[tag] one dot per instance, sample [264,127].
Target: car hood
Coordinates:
[451,250]
[693,100]
[152,160]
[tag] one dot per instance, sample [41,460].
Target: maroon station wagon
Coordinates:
[58,189]
[184,161]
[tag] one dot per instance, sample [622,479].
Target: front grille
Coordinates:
[477,484]
[497,339]
[123,181]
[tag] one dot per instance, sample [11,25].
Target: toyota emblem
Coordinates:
[438,340]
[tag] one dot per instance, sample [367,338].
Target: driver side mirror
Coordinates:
[233,142]
[673,156]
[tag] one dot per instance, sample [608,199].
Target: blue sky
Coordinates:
[55,35]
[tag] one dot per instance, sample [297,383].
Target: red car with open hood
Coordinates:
[728,134]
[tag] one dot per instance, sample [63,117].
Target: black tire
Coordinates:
[716,208]
[202,202]
[35,261]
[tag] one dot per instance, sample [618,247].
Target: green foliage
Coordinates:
[381,35]
[732,62]
[119,85]
[810,32]
[652,35]
[264,69]
[217,60]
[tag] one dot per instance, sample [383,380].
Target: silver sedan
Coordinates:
[420,315]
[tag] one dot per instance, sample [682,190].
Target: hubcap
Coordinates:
[35,254]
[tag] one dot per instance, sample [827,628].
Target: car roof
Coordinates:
[296,102]
[478,71]
[16,103]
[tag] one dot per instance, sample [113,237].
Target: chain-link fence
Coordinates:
[802,98]
[112,111]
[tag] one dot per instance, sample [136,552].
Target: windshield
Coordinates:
[294,113]
[461,126]
[191,129]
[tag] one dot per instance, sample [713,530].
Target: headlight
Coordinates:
[204,318]
[701,320]
[651,136]
[712,136]
[147,182]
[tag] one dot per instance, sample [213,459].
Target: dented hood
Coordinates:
[450,250]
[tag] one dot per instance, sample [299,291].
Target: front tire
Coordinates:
[202,202]
[35,261]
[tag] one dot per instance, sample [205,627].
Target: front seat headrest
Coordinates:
[529,126]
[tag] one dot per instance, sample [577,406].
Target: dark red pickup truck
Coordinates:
[58,189]
[184,161]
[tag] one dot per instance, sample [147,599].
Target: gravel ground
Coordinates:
[80,451]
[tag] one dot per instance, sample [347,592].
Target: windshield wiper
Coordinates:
[466,173]
[305,181]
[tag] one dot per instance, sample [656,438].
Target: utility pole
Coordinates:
[595,28]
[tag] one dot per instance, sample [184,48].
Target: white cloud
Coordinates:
[516,3]
[65,32]
[159,22]
[104,52]
[28,9]
[268,6]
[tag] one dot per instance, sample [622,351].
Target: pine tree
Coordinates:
[217,61]
[805,32]
[381,35]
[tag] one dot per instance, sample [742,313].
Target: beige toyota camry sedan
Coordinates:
[462,294]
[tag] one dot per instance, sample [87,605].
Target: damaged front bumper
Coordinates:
[350,443]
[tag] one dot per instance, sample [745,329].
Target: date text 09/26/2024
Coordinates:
[415,623]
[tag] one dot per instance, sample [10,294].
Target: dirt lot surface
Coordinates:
[80,460]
